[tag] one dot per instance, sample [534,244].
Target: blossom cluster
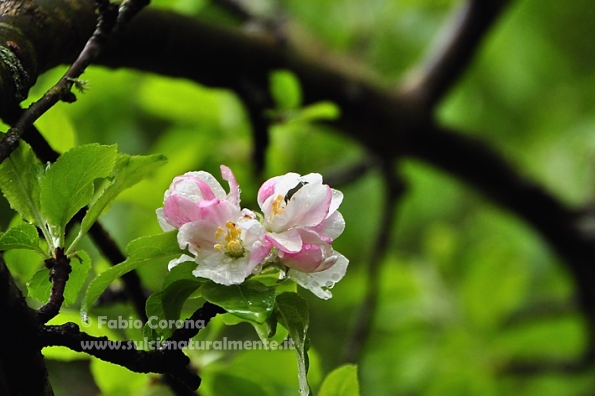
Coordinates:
[295,230]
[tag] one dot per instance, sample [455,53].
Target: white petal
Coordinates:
[183,258]
[223,270]
[319,283]
[336,201]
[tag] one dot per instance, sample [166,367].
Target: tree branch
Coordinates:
[456,48]
[164,358]
[19,352]
[60,269]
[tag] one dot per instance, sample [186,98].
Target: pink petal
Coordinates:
[306,260]
[234,188]
[178,210]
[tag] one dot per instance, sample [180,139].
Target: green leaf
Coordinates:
[250,300]
[22,236]
[180,271]
[127,171]
[140,251]
[229,384]
[292,313]
[40,287]
[319,111]
[67,185]
[81,265]
[341,382]
[22,264]
[285,89]
[19,181]
[167,304]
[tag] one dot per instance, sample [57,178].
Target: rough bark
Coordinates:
[36,35]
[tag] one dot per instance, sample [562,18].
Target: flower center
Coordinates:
[278,205]
[233,246]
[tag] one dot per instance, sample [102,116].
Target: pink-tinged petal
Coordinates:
[218,211]
[278,185]
[208,186]
[321,282]
[165,226]
[178,210]
[307,207]
[234,188]
[287,241]
[266,190]
[306,260]
[197,236]
[259,251]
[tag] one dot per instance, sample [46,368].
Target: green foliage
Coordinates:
[22,236]
[285,89]
[293,314]
[39,286]
[140,251]
[458,272]
[128,171]
[67,185]
[19,180]
[342,381]
[250,300]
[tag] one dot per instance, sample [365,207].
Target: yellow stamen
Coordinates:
[233,246]
[278,206]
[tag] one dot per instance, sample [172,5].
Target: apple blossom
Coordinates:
[226,241]
[302,221]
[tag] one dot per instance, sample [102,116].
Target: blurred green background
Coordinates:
[466,287]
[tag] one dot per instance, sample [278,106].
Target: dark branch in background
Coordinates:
[574,366]
[257,100]
[355,344]
[167,359]
[128,9]
[348,174]
[60,269]
[272,23]
[455,50]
